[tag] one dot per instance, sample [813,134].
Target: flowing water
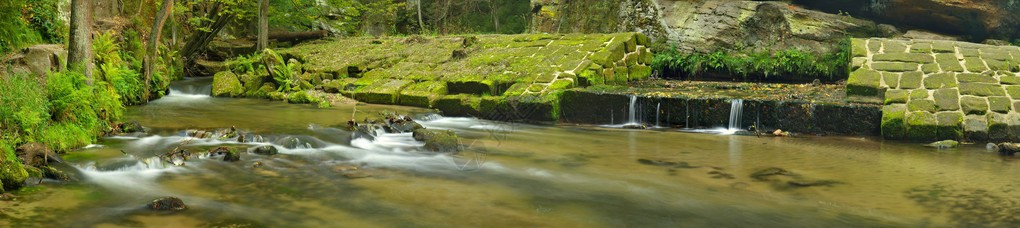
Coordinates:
[509,175]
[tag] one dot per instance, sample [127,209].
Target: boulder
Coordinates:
[926,35]
[944,144]
[709,26]
[668,164]
[167,204]
[438,141]
[226,84]
[131,127]
[221,50]
[205,67]
[976,19]
[36,155]
[1009,149]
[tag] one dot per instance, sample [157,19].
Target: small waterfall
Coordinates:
[657,107]
[736,111]
[632,110]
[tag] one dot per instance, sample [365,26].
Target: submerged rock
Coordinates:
[944,144]
[131,127]
[229,154]
[800,182]
[438,141]
[764,174]
[171,204]
[670,164]
[264,150]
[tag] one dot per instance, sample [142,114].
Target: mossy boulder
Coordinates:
[301,97]
[439,141]
[226,84]
[458,105]
[12,172]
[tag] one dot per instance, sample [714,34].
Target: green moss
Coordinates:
[948,62]
[12,174]
[863,82]
[974,64]
[892,80]
[998,127]
[950,125]
[972,77]
[982,89]
[921,105]
[973,105]
[921,126]
[226,84]
[893,121]
[903,57]
[1000,104]
[894,66]
[911,80]
[896,96]
[786,63]
[939,81]
[858,47]
[947,99]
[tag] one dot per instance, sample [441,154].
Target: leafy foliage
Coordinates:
[15,29]
[23,110]
[285,73]
[785,63]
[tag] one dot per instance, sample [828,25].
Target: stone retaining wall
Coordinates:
[593,107]
[935,90]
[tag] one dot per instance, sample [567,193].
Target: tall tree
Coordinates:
[79,50]
[421,23]
[153,46]
[263,39]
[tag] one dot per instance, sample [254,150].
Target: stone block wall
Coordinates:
[935,90]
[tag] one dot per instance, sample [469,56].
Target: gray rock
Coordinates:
[944,144]
[265,150]
[168,204]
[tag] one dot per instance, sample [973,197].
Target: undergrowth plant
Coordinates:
[784,64]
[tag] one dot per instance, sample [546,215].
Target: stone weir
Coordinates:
[500,77]
[934,90]
[805,108]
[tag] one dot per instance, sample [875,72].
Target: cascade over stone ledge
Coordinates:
[501,77]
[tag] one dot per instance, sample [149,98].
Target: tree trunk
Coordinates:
[79,50]
[153,45]
[263,39]
[421,23]
[495,17]
[200,39]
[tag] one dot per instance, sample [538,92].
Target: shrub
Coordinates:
[71,99]
[23,110]
[126,82]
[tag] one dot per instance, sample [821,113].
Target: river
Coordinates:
[509,175]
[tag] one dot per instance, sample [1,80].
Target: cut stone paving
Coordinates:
[934,90]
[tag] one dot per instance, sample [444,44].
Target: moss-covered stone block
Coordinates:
[919,94]
[998,127]
[644,56]
[911,80]
[422,94]
[1000,104]
[940,80]
[640,72]
[974,64]
[974,105]
[458,105]
[894,66]
[947,99]
[973,77]
[226,84]
[903,57]
[918,47]
[894,46]
[858,47]
[950,125]
[969,52]
[982,89]
[997,64]
[941,46]
[874,45]
[858,63]
[930,68]
[864,82]
[892,80]
[381,92]
[894,121]
[975,128]
[921,105]
[948,62]
[894,96]
[921,126]
[1009,80]
[1013,91]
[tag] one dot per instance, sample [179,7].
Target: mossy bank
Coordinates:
[501,77]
